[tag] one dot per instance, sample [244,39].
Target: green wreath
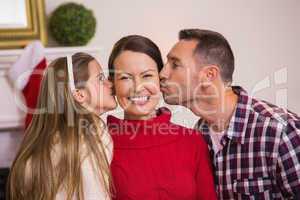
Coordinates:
[72,24]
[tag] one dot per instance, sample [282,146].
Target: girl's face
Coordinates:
[136,83]
[99,94]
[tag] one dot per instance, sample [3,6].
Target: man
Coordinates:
[254,146]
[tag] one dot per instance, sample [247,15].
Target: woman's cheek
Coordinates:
[153,87]
[122,88]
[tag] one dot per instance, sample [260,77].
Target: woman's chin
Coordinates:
[140,113]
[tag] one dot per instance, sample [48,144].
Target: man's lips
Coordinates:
[164,89]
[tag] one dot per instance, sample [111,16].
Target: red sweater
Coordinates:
[156,159]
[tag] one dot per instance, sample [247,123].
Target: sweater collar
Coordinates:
[132,134]
[163,115]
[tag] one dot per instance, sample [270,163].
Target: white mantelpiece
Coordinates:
[11,119]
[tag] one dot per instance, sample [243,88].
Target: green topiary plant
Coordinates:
[72,24]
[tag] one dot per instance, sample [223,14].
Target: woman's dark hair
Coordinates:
[135,43]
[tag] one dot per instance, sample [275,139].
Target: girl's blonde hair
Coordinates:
[57,125]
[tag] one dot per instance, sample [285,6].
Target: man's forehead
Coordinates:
[183,47]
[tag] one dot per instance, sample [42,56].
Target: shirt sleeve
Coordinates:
[204,177]
[288,164]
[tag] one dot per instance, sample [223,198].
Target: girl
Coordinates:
[153,158]
[66,151]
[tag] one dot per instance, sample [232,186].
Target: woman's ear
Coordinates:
[80,95]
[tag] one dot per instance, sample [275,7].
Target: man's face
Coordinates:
[179,76]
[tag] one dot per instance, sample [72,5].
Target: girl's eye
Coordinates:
[102,78]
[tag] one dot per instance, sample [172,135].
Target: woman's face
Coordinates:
[100,97]
[136,83]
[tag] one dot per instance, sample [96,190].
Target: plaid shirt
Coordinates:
[260,158]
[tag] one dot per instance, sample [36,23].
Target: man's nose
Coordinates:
[163,74]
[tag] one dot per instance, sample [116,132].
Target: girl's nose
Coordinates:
[108,83]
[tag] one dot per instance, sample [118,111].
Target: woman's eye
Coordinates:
[175,65]
[123,78]
[147,75]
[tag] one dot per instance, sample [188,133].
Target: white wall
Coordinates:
[263,34]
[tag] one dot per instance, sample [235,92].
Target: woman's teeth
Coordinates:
[139,99]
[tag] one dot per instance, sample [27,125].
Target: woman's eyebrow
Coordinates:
[149,70]
[123,73]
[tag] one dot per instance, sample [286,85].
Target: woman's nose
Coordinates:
[138,85]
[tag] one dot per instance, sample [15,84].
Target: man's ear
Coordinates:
[80,95]
[211,72]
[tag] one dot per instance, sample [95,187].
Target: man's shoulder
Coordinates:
[272,113]
[277,121]
[263,109]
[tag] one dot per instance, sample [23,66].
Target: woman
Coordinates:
[66,151]
[153,158]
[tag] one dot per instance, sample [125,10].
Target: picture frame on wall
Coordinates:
[22,21]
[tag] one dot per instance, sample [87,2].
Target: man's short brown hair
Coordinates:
[212,48]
